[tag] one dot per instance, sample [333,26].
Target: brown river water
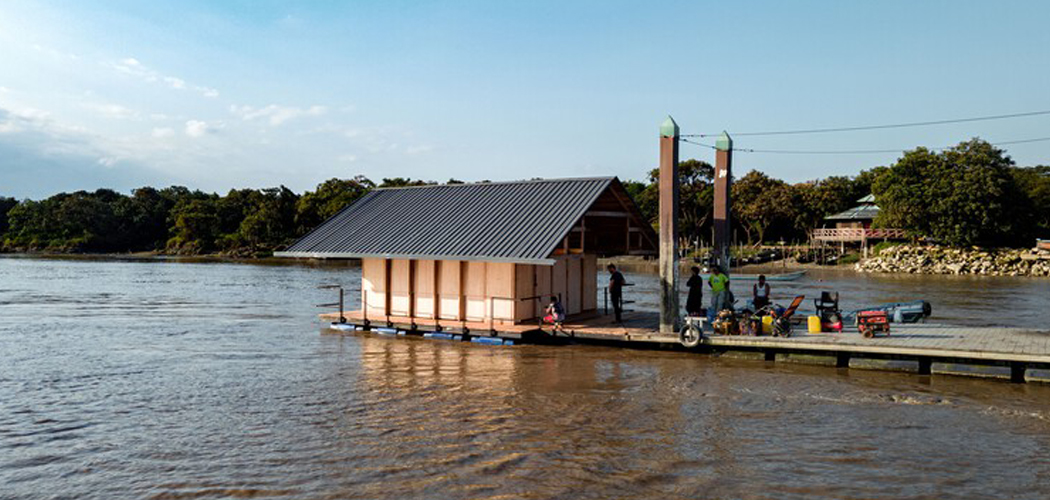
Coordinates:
[160,379]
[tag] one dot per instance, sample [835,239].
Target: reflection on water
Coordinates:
[175,380]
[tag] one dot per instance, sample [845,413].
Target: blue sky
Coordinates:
[226,94]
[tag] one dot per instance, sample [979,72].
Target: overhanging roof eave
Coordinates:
[351,255]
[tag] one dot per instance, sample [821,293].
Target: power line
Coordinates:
[682,138]
[853,151]
[878,127]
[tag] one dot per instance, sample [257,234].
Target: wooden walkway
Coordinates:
[926,344]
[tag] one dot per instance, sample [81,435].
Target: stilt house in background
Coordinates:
[486,253]
[854,226]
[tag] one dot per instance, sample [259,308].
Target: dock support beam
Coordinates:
[842,360]
[723,186]
[668,226]
[771,355]
[1017,372]
[925,366]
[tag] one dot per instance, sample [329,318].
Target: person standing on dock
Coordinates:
[719,283]
[694,305]
[616,282]
[760,293]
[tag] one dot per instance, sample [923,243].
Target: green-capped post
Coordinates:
[669,128]
[724,142]
[668,218]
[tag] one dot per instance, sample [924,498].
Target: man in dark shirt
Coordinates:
[616,282]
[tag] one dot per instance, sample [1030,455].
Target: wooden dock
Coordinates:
[925,344]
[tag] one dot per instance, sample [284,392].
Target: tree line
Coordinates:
[971,194]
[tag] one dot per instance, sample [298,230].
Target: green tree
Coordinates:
[196,225]
[1035,182]
[966,195]
[331,196]
[813,201]
[695,198]
[759,202]
[404,182]
[6,204]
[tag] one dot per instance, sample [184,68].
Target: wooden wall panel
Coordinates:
[524,286]
[373,286]
[499,287]
[400,287]
[559,272]
[542,288]
[574,273]
[450,291]
[474,286]
[424,288]
[590,282]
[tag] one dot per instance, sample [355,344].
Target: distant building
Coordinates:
[860,216]
[854,226]
[485,253]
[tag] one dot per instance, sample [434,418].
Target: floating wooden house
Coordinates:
[488,253]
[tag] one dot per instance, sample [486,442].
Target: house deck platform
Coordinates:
[926,344]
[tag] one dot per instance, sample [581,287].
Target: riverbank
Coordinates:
[909,259]
[164,257]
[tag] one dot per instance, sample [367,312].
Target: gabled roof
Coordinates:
[862,212]
[865,211]
[521,222]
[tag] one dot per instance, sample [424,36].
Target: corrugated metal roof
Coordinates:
[502,222]
[856,213]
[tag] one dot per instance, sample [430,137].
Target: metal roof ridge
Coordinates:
[499,183]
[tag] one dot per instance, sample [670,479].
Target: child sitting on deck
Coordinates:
[555,313]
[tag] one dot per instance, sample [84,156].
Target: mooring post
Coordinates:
[723,186]
[669,226]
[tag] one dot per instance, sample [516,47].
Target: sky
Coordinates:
[250,94]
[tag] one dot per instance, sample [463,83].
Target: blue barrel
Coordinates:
[487,340]
[439,336]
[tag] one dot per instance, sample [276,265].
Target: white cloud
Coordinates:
[347,158]
[132,67]
[197,128]
[416,150]
[107,161]
[176,83]
[276,114]
[163,132]
[114,111]
[207,91]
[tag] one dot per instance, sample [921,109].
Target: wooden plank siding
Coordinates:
[476,291]
[425,289]
[449,289]
[400,287]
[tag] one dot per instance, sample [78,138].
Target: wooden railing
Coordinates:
[858,234]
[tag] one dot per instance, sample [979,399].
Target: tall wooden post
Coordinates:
[669,226]
[723,186]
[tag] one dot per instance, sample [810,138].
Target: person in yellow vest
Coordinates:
[719,284]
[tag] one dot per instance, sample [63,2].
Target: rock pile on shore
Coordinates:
[939,260]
